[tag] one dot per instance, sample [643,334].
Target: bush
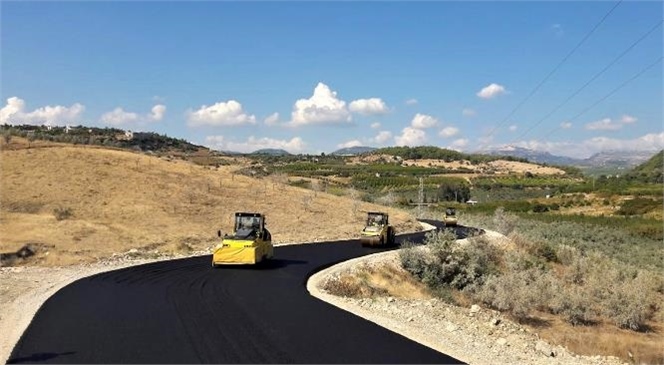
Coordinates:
[573,304]
[347,285]
[547,252]
[638,206]
[517,292]
[626,307]
[446,264]
[540,208]
[62,213]
[566,254]
[413,259]
[504,222]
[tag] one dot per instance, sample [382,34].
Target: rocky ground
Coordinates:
[474,335]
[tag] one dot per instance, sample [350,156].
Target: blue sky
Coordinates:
[313,76]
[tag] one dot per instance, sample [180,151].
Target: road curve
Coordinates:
[183,311]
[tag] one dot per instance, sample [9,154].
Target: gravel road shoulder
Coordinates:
[474,335]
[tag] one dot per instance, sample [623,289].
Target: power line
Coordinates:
[585,110]
[591,79]
[532,92]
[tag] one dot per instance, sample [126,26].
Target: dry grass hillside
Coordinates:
[79,204]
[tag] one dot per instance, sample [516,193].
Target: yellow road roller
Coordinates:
[250,242]
[450,217]
[377,231]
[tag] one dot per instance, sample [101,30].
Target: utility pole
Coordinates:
[421,198]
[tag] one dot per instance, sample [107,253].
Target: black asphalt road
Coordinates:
[183,311]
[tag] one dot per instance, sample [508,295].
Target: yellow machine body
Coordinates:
[377,231]
[450,218]
[250,242]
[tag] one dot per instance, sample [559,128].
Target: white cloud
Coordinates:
[513,127]
[119,116]
[294,145]
[13,110]
[605,124]
[608,124]
[158,112]
[353,143]
[411,137]
[411,101]
[423,121]
[272,119]
[368,106]
[228,113]
[459,144]
[382,137]
[588,147]
[628,119]
[375,125]
[485,139]
[491,91]
[566,125]
[14,113]
[322,107]
[468,112]
[648,142]
[448,132]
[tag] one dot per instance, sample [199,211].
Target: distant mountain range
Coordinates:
[532,155]
[626,159]
[352,151]
[612,159]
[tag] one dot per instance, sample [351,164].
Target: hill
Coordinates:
[82,203]
[617,159]
[649,171]
[352,151]
[533,156]
[108,137]
[612,161]
[271,152]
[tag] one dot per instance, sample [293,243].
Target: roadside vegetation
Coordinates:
[599,278]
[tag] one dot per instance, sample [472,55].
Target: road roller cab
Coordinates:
[250,242]
[377,231]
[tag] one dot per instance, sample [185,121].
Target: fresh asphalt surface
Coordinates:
[183,311]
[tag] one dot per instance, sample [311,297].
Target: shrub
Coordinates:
[547,252]
[413,260]
[515,292]
[566,254]
[347,285]
[62,213]
[638,206]
[573,304]
[540,208]
[448,265]
[627,308]
[504,222]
